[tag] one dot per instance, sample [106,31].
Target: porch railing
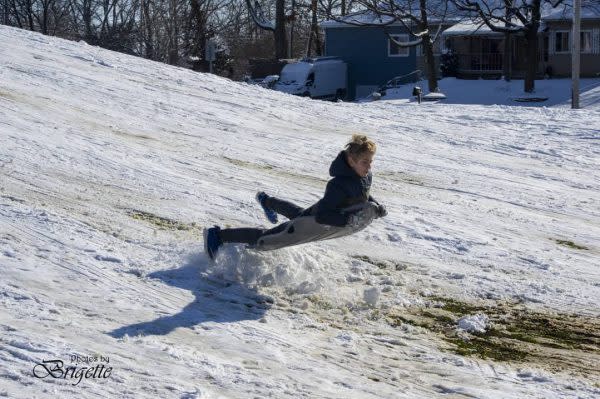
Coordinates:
[481,62]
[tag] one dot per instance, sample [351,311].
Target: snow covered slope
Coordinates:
[110,166]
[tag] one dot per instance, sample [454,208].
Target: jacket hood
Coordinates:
[340,167]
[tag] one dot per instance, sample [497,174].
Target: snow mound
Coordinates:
[478,323]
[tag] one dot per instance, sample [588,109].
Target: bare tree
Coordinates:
[328,9]
[314,32]
[278,28]
[511,17]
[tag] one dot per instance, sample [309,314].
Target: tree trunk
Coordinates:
[432,80]
[44,23]
[312,37]
[427,46]
[30,15]
[280,31]
[197,32]
[532,46]
[87,22]
[531,68]
[507,57]
[174,34]
[16,14]
[292,23]
[147,30]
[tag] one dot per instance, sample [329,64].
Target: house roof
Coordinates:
[478,28]
[465,28]
[441,12]
[564,12]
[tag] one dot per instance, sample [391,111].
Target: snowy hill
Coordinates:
[110,166]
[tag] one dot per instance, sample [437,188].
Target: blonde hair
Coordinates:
[359,145]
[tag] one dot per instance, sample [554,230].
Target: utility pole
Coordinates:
[575,54]
[4,19]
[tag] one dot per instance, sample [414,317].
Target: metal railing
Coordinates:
[485,62]
[398,81]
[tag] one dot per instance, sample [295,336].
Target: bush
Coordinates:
[449,64]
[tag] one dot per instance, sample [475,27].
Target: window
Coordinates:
[561,43]
[396,51]
[586,42]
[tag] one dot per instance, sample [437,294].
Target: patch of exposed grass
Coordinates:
[381,264]
[320,302]
[365,258]
[161,222]
[568,332]
[274,171]
[487,348]
[571,245]
[246,164]
[515,333]
[458,307]
[401,177]
[8,95]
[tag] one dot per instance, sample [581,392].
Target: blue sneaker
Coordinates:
[212,241]
[269,213]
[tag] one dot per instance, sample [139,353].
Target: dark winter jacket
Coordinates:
[345,189]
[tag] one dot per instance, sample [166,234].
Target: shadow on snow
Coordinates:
[215,301]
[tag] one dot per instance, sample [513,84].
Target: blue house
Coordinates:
[362,40]
[372,58]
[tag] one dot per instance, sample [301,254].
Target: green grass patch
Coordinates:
[366,259]
[487,348]
[320,302]
[246,164]
[159,221]
[571,244]
[458,307]
[401,177]
[272,170]
[381,263]
[515,333]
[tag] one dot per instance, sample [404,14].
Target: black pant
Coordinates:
[248,235]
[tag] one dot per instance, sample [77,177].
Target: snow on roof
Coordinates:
[367,17]
[465,28]
[566,12]
[477,27]
[358,19]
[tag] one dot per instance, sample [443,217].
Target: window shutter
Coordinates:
[551,42]
[596,41]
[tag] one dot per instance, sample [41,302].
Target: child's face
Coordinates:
[362,164]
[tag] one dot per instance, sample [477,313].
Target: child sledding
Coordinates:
[346,207]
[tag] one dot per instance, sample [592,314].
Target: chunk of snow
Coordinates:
[475,323]
[371,295]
